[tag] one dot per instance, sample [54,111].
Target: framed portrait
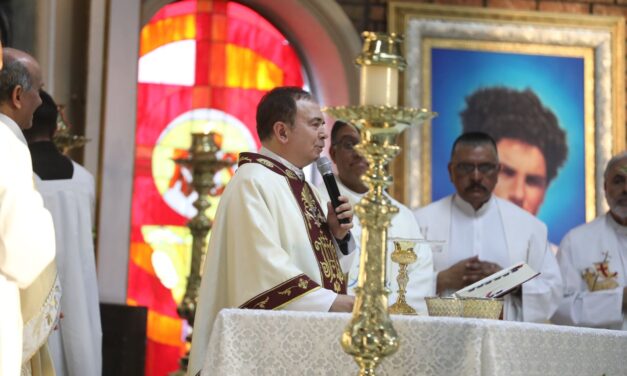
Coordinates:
[549,88]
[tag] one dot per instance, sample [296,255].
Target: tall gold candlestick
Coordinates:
[204,163]
[370,334]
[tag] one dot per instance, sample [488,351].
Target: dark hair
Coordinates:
[506,113]
[13,73]
[44,118]
[337,126]
[279,104]
[474,139]
[4,27]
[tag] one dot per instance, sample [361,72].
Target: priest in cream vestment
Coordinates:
[26,229]
[273,245]
[484,234]
[351,167]
[68,193]
[593,261]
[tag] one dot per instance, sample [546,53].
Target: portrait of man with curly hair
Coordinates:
[531,144]
[536,109]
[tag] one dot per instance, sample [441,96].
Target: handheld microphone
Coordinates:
[324,166]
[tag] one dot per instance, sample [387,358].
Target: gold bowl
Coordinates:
[480,308]
[451,307]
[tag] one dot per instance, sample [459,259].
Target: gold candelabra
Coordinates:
[403,255]
[370,335]
[204,163]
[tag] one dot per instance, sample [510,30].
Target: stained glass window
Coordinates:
[203,66]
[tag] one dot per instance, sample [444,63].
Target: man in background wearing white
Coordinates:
[593,261]
[68,192]
[484,233]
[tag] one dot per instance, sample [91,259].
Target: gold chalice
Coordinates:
[403,255]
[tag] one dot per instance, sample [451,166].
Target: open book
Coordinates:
[499,284]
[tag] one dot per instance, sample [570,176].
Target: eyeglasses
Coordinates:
[468,168]
[348,145]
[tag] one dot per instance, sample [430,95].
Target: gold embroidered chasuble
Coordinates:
[41,305]
[319,237]
[269,245]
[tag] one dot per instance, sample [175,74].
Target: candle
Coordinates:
[378,85]
[203,142]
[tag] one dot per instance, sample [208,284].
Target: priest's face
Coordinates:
[351,166]
[522,178]
[474,171]
[616,189]
[307,134]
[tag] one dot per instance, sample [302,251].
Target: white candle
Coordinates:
[378,85]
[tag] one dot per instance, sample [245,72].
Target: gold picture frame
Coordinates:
[598,41]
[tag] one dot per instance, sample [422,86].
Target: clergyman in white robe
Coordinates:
[502,233]
[76,347]
[599,247]
[404,225]
[26,240]
[261,255]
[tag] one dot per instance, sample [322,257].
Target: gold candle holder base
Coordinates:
[403,255]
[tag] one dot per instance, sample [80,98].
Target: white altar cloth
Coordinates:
[257,342]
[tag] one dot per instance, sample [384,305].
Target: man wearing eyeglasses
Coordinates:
[351,166]
[484,233]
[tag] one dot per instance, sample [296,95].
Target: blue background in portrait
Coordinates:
[557,81]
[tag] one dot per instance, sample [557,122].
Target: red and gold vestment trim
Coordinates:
[282,294]
[318,230]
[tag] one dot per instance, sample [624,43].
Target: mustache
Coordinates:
[622,199]
[474,186]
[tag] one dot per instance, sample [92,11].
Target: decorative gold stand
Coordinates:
[403,255]
[204,163]
[370,334]
[63,138]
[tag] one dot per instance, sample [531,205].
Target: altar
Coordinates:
[257,342]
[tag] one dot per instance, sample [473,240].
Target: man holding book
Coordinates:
[485,234]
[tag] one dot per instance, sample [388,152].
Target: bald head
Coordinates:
[20,82]
[616,187]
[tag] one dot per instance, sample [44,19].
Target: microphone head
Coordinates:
[324,166]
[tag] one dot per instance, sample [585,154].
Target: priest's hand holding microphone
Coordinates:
[340,220]
[340,214]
